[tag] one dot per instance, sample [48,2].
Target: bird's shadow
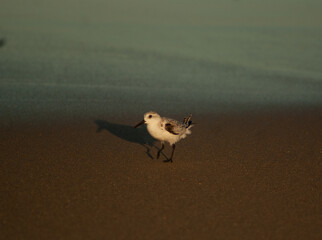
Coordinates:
[128,133]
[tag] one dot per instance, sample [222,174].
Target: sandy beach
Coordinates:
[76,76]
[249,176]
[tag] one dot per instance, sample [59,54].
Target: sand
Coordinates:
[238,176]
[75,76]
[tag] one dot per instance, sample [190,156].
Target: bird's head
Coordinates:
[149,117]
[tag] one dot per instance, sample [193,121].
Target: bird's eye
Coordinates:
[150,116]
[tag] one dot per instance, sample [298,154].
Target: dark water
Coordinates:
[66,59]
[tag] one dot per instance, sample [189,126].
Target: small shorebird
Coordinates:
[166,129]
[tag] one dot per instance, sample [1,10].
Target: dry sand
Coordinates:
[238,176]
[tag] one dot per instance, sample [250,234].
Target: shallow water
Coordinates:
[78,59]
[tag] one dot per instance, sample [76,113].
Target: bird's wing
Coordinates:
[173,126]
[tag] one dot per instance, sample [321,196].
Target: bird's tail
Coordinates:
[187,121]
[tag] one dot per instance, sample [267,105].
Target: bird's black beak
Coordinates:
[139,124]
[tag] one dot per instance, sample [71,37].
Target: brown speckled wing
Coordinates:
[170,128]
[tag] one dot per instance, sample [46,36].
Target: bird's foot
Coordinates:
[168,160]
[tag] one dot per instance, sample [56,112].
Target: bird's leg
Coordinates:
[173,148]
[162,146]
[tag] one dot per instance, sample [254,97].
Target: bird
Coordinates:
[166,130]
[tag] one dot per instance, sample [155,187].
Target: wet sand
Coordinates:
[253,175]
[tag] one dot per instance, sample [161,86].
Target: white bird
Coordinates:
[166,129]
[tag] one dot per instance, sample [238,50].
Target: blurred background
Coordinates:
[68,59]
